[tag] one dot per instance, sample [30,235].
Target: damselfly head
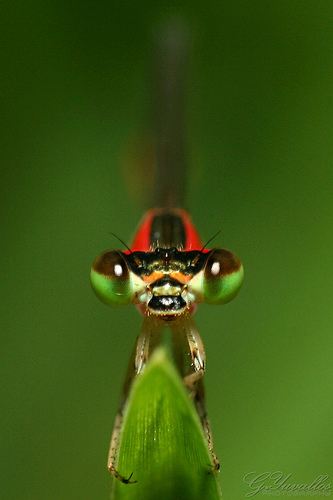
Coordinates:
[167,282]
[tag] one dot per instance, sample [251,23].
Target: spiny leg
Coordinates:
[130,375]
[112,450]
[147,340]
[199,401]
[183,329]
[186,337]
[149,337]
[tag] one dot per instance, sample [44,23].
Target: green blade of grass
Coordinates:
[162,441]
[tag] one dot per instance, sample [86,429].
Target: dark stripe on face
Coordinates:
[167,231]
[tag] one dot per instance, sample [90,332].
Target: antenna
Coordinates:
[121,241]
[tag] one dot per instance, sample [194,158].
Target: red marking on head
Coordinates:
[141,241]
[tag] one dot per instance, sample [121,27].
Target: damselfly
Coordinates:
[167,270]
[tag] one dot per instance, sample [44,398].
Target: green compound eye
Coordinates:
[111,279]
[222,277]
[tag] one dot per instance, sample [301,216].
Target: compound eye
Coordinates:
[223,277]
[111,279]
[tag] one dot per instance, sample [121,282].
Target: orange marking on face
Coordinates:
[180,277]
[154,276]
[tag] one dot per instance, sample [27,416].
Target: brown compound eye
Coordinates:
[222,277]
[111,279]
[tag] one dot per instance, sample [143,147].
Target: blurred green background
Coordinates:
[260,123]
